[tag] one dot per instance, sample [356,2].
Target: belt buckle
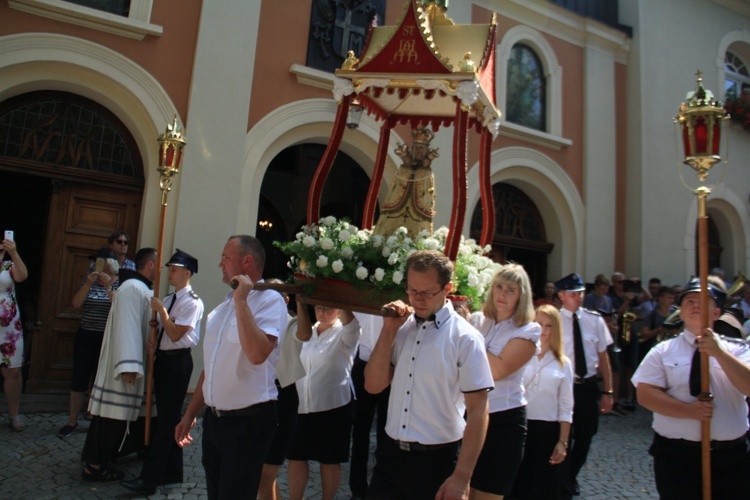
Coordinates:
[404,446]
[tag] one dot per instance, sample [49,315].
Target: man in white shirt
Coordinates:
[237,383]
[585,340]
[668,382]
[179,331]
[436,365]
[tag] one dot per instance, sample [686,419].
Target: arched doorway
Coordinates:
[520,235]
[283,202]
[74,175]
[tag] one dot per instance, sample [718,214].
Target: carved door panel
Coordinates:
[80,219]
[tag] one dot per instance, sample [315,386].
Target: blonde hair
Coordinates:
[513,274]
[555,338]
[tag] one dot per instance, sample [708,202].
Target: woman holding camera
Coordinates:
[95,298]
[12,271]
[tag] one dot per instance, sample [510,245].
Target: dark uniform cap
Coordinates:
[183,259]
[103,253]
[694,286]
[605,309]
[570,283]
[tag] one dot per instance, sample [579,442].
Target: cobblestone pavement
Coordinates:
[36,463]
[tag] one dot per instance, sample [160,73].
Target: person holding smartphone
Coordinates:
[12,271]
[94,297]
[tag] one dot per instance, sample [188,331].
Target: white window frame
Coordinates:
[552,136]
[137,25]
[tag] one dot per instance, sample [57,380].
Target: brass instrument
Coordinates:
[738,285]
[627,324]
[672,325]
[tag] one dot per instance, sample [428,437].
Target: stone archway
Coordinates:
[520,235]
[82,169]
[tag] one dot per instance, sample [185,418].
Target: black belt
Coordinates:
[715,445]
[587,380]
[414,446]
[249,411]
[172,352]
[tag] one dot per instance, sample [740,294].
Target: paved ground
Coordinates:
[35,463]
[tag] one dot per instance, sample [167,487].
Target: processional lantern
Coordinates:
[171,144]
[700,119]
[699,123]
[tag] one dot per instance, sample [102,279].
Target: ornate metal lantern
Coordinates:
[171,143]
[700,120]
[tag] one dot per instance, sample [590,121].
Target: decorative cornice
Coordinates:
[529,135]
[563,24]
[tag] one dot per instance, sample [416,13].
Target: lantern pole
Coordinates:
[700,121]
[171,144]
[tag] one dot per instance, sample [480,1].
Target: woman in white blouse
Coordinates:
[325,409]
[510,334]
[548,379]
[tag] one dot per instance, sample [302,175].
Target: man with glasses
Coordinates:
[118,242]
[436,365]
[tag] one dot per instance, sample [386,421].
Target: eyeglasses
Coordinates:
[122,242]
[422,295]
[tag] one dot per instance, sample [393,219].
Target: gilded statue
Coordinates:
[411,195]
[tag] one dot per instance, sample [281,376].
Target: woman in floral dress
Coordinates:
[12,270]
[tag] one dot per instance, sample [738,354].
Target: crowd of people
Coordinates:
[502,402]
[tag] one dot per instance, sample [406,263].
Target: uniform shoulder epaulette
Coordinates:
[193,294]
[733,340]
[591,311]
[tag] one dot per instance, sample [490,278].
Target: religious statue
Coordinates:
[411,195]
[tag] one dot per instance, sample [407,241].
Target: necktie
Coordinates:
[695,374]
[578,346]
[169,310]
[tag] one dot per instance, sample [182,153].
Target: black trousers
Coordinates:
[585,426]
[234,449]
[172,372]
[364,412]
[537,478]
[103,440]
[410,475]
[677,470]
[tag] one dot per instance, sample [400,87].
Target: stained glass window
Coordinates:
[525,103]
[117,7]
[66,130]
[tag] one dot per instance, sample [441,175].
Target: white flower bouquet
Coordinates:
[336,249]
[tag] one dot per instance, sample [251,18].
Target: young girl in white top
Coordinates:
[548,379]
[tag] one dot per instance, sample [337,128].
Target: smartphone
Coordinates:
[9,235]
[630,286]
[99,265]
